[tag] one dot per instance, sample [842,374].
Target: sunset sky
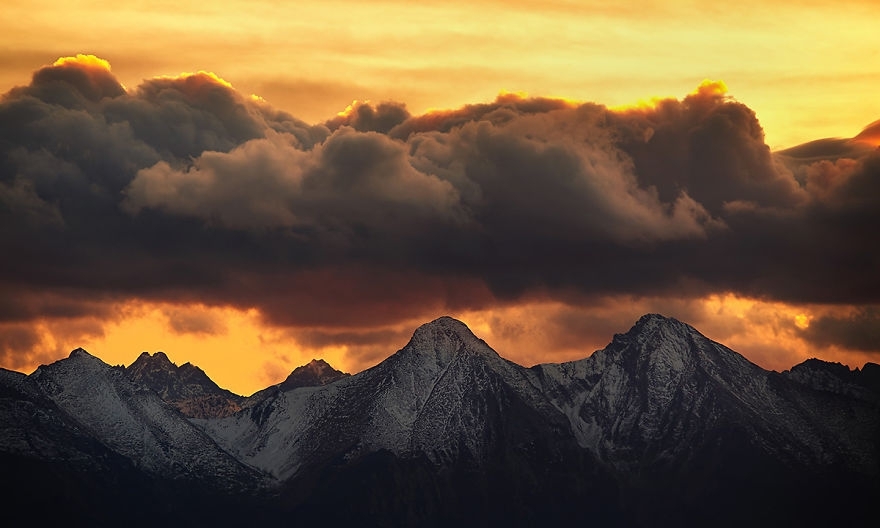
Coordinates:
[249,185]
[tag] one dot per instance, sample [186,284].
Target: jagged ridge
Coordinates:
[186,387]
[662,426]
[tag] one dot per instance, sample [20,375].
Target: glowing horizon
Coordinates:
[270,203]
[241,352]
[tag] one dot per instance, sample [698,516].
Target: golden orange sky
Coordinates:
[241,352]
[808,69]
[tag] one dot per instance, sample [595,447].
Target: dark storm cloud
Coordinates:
[857,331]
[182,190]
[352,181]
[709,145]
[18,304]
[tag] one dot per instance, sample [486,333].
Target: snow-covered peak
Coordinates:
[653,324]
[655,334]
[664,354]
[444,338]
[445,324]
[78,359]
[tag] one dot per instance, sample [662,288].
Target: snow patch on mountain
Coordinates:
[133,421]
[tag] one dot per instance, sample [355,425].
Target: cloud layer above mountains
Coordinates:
[182,190]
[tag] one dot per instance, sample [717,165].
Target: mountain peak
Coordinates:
[443,339]
[186,387]
[654,321]
[318,363]
[654,329]
[315,373]
[157,360]
[79,353]
[444,325]
[659,342]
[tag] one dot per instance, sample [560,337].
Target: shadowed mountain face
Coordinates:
[663,427]
[98,449]
[313,374]
[186,387]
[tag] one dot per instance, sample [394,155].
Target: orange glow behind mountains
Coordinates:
[242,353]
[313,69]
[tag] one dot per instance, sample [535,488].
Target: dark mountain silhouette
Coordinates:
[186,387]
[313,374]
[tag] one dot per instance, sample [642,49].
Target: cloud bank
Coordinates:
[183,190]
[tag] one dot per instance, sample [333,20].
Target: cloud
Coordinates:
[859,330]
[364,117]
[870,134]
[363,348]
[194,321]
[708,144]
[16,343]
[350,181]
[73,82]
[547,330]
[25,345]
[181,190]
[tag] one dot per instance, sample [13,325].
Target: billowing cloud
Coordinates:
[73,82]
[364,117]
[349,180]
[181,190]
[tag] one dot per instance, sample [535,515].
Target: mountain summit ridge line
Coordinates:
[663,425]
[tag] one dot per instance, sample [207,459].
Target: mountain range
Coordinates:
[662,427]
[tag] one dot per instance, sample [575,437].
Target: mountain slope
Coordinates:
[134,422]
[393,406]
[689,425]
[681,425]
[464,429]
[99,450]
[664,378]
